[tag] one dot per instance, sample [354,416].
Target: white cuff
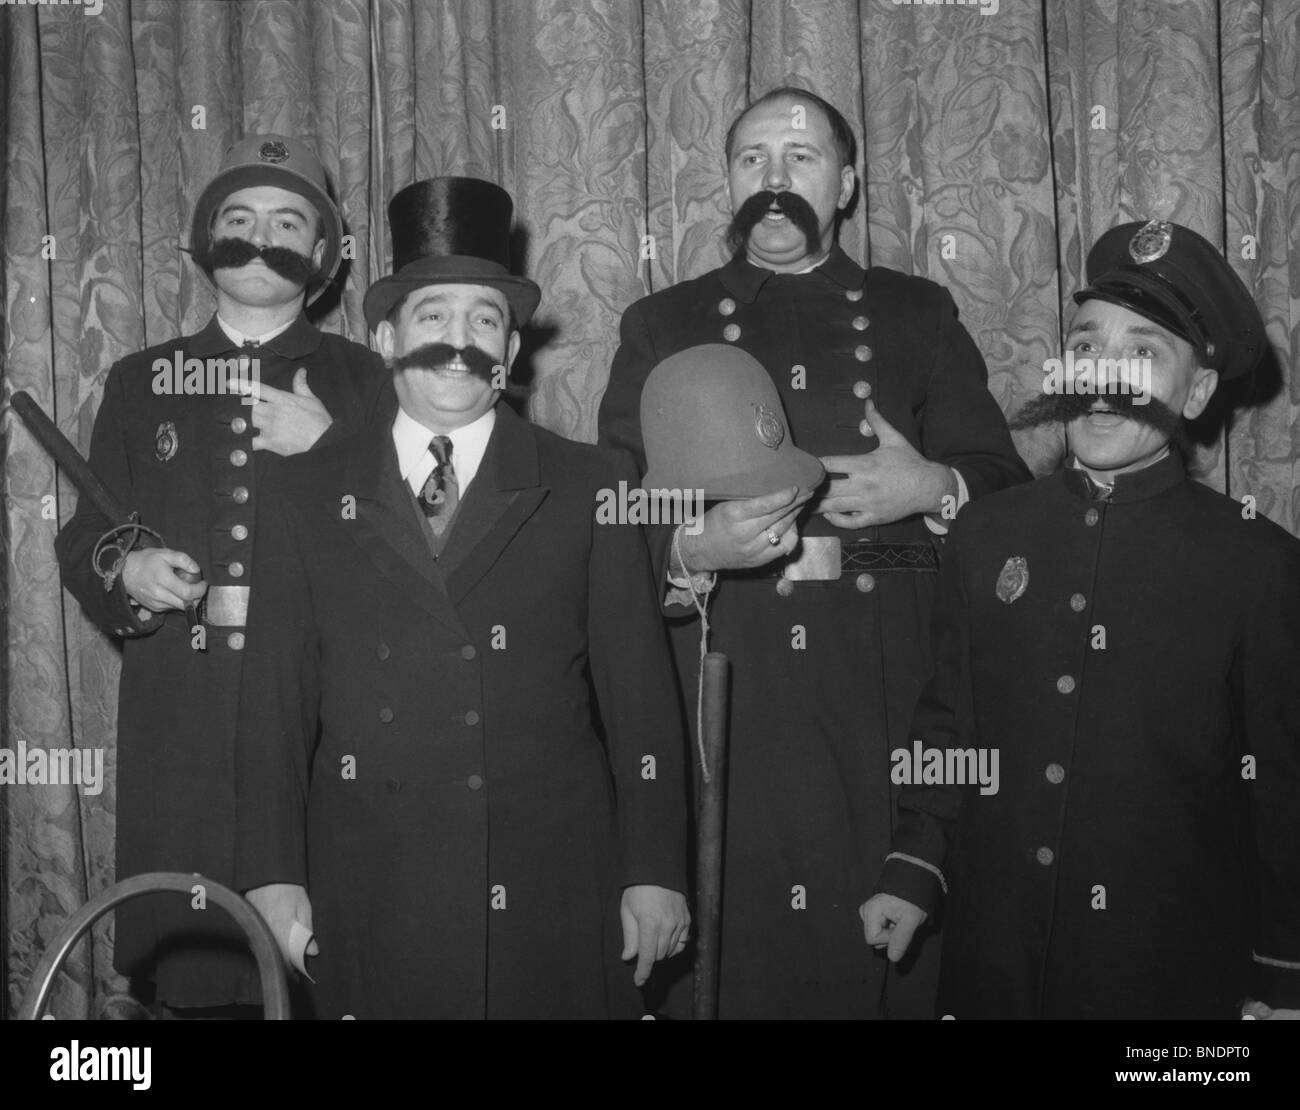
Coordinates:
[938,523]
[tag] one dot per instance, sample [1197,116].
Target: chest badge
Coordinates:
[166,443]
[1014,579]
[768,427]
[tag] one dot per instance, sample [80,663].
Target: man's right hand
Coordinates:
[281,904]
[152,582]
[889,920]
[734,534]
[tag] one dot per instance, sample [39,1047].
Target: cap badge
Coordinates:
[166,443]
[1014,579]
[768,427]
[1151,241]
[274,152]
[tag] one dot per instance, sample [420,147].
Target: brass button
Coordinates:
[854,294]
[731,333]
[240,494]
[862,353]
[383,651]
[861,390]
[1078,602]
[236,570]
[861,323]
[1065,684]
[239,425]
[784,587]
[235,641]
[1091,517]
[1055,774]
[386,715]
[239,532]
[865,583]
[475,782]
[726,306]
[471,718]
[1045,856]
[238,457]
[468,651]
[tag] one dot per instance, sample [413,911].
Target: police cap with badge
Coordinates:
[1172,276]
[711,419]
[287,164]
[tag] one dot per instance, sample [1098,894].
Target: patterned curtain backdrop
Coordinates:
[1000,139]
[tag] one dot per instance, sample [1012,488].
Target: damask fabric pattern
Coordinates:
[997,148]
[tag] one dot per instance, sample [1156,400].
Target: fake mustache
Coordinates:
[1064,408]
[434,356]
[230,254]
[791,205]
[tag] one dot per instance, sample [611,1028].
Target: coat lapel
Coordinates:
[386,527]
[505,492]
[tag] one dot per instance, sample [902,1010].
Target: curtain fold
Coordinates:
[997,148]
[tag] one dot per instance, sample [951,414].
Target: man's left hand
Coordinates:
[656,925]
[289,423]
[892,482]
[1260,1012]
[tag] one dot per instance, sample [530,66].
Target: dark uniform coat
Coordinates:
[187,465]
[423,747]
[811,728]
[1137,673]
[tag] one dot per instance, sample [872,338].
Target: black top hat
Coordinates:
[451,231]
[1177,279]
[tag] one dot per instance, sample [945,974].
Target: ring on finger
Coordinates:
[773,537]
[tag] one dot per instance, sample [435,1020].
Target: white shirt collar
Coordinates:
[238,338]
[468,446]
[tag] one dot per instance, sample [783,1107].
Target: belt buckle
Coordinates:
[819,560]
[226,606]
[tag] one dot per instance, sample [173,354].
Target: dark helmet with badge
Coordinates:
[711,419]
[451,231]
[1175,278]
[287,164]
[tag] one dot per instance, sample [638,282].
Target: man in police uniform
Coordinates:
[269,237]
[456,771]
[1129,640]
[824,604]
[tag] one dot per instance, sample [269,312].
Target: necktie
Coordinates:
[441,493]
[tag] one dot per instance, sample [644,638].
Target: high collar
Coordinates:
[744,281]
[1136,485]
[297,341]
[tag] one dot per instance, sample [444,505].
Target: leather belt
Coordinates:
[226,606]
[826,558]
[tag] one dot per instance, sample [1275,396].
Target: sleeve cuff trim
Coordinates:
[927,866]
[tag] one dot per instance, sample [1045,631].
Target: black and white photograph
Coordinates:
[739,511]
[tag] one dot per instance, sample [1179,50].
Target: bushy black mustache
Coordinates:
[799,211]
[1063,408]
[230,254]
[431,356]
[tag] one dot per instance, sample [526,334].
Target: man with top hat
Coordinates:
[820,598]
[1128,641]
[178,439]
[457,775]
